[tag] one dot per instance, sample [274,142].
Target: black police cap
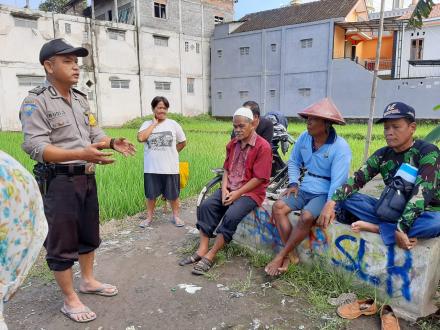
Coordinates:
[396,110]
[60,47]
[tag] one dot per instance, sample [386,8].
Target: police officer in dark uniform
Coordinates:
[62,135]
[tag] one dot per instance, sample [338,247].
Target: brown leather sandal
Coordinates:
[202,267]
[190,259]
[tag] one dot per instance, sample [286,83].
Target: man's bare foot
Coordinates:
[285,266]
[293,257]
[359,226]
[272,268]
[413,242]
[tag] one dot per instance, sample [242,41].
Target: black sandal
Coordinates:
[190,259]
[202,267]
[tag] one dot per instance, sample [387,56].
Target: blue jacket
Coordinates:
[331,160]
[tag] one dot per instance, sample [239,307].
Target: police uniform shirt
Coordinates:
[47,118]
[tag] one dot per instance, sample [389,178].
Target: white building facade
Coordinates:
[128,65]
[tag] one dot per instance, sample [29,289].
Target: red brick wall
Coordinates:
[227,5]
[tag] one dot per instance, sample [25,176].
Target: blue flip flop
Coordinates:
[180,224]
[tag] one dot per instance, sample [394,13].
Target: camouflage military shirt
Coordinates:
[422,155]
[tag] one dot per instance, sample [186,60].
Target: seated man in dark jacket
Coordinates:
[264,127]
[415,160]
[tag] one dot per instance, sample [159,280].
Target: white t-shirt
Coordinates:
[160,153]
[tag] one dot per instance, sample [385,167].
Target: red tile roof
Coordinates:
[296,14]
[435,13]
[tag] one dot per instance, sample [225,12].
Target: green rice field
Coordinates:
[121,184]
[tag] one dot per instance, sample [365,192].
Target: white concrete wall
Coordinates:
[351,91]
[430,32]
[115,58]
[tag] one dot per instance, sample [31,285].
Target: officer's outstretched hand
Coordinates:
[93,154]
[125,147]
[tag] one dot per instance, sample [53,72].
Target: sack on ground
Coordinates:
[184,174]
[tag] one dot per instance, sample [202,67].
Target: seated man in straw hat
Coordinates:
[246,175]
[326,158]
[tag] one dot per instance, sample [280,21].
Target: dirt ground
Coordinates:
[152,294]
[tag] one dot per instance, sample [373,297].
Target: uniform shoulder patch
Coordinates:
[79,92]
[38,90]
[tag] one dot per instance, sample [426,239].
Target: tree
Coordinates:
[56,6]
[421,11]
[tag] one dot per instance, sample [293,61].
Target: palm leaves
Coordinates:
[421,11]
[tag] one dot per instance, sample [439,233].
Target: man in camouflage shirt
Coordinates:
[421,215]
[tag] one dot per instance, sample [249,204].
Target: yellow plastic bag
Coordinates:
[184,174]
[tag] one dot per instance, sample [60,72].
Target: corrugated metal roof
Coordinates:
[296,14]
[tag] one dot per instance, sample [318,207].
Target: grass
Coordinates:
[120,185]
[316,282]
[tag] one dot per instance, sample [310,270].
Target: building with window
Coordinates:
[420,48]
[174,46]
[290,57]
[128,65]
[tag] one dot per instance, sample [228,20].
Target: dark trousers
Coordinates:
[212,211]
[72,212]
[363,207]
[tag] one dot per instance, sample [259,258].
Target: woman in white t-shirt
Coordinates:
[163,139]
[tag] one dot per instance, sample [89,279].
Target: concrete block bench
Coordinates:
[408,278]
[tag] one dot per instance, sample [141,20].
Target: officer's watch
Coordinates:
[112,143]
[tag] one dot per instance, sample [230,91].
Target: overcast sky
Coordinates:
[242,8]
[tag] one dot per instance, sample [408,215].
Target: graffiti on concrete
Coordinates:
[348,252]
[263,228]
[357,264]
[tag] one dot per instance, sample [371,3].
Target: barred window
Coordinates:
[218,19]
[30,81]
[304,91]
[25,22]
[116,34]
[160,41]
[306,43]
[186,46]
[119,83]
[190,85]
[244,51]
[243,94]
[125,13]
[160,10]
[162,85]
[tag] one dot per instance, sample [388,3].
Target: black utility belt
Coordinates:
[73,169]
[319,176]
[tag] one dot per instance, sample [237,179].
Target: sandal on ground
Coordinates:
[355,309]
[177,222]
[146,223]
[75,313]
[202,267]
[190,259]
[106,290]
